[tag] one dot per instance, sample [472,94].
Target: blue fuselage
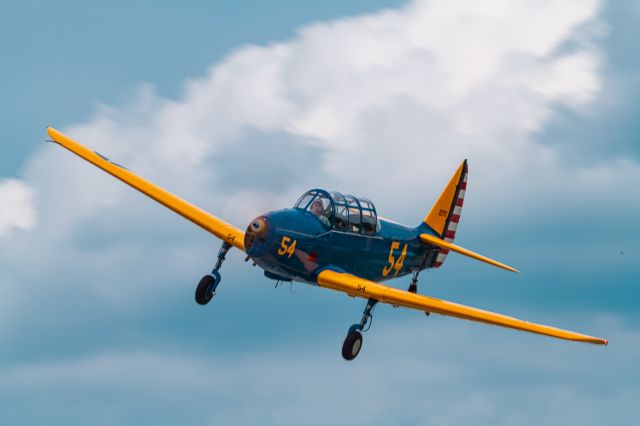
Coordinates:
[293,244]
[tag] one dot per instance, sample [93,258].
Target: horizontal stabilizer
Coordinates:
[430,239]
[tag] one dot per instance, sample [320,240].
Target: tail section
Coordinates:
[443,221]
[444,216]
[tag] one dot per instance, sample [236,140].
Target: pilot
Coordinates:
[318,210]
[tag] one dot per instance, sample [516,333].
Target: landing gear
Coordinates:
[207,286]
[353,342]
[413,287]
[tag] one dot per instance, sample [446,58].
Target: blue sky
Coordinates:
[240,108]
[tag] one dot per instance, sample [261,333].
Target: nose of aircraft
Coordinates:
[265,232]
[255,238]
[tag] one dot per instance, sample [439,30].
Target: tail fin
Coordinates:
[444,216]
[443,221]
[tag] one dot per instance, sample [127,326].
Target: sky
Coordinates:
[242,107]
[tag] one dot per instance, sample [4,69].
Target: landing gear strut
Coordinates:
[353,342]
[207,286]
[413,287]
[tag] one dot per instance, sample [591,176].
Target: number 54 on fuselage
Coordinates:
[338,241]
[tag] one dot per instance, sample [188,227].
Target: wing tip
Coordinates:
[54,134]
[597,341]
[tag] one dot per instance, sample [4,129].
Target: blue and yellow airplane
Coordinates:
[338,241]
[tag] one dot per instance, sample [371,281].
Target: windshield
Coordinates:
[319,203]
[343,212]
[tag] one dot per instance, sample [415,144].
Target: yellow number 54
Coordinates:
[285,247]
[393,263]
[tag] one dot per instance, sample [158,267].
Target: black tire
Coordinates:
[352,345]
[204,294]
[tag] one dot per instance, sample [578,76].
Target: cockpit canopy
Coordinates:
[342,212]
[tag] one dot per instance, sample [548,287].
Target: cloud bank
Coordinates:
[18,209]
[385,105]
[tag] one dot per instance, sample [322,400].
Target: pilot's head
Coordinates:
[317,208]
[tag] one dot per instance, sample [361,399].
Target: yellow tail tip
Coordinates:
[440,214]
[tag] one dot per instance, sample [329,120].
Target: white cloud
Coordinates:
[389,99]
[18,208]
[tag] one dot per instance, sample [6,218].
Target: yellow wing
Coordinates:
[221,229]
[359,287]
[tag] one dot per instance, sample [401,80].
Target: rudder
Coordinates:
[444,216]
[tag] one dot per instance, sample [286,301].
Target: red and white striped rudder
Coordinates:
[444,216]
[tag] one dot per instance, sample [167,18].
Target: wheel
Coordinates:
[204,291]
[352,344]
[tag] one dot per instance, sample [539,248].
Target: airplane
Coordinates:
[338,241]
